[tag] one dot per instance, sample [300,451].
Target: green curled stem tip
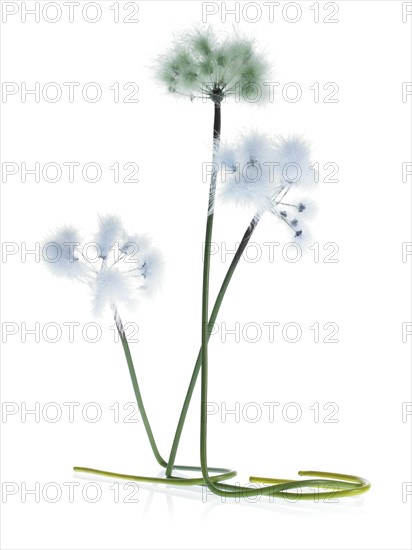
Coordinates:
[344,485]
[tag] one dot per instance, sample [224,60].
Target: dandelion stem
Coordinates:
[217,124]
[139,399]
[141,406]
[182,481]
[215,311]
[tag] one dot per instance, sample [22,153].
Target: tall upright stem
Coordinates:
[244,242]
[213,316]
[205,329]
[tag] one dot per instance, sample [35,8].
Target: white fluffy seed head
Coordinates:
[152,271]
[248,172]
[110,233]
[111,287]
[227,158]
[293,154]
[135,246]
[61,254]
[128,265]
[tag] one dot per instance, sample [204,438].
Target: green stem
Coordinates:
[217,123]
[146,479]
[205,331]
[215,311]
[136,389]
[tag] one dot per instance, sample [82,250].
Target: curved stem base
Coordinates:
[333,485]
[172,480]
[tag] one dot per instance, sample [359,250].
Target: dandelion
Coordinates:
[255,172]
[289,211]
[109,232]
[293,154]
[111,287]
[62,253]
[124,267]
[203,64]
[248,172]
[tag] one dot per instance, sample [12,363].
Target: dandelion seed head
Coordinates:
[152,271]
[293,154]
[202,63]
[119,274]
[135,246]
[111,287]
[109,234]
[61,253]
[251,178]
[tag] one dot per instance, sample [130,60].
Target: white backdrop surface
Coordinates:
[340,405]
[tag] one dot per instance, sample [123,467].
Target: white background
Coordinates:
[366,293]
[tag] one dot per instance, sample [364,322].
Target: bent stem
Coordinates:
[180,481]
[139,399]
